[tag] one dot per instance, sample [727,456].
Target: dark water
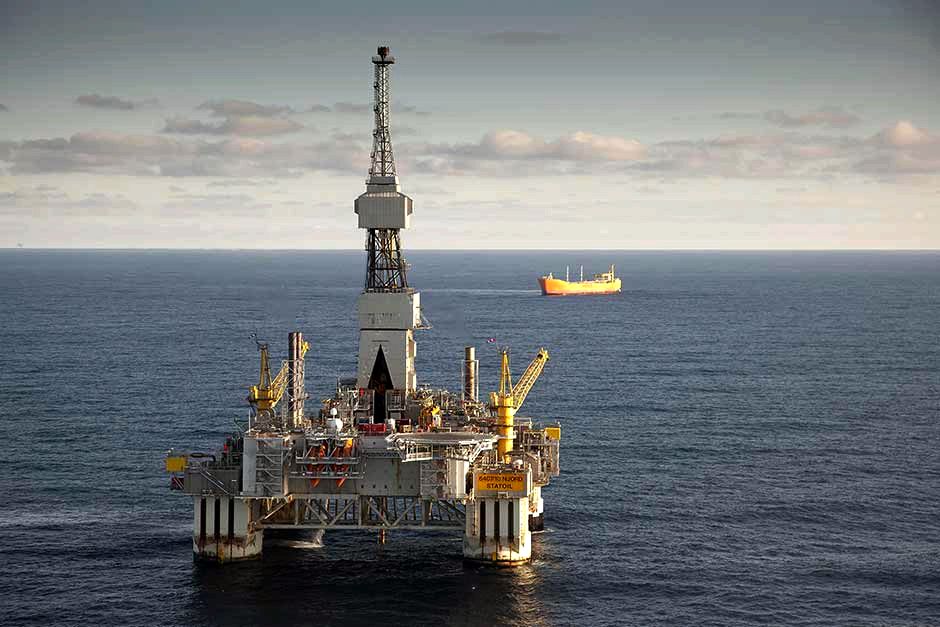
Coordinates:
[749,438]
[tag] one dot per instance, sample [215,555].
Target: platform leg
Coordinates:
[497,531]
[221,529]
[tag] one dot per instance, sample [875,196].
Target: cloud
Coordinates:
[350,107]
[158,155]
[229,108]
[249,125]
[904,135]
[512,144]
[188,126]
[398,107]
[901,151]
[4,108]
[98,101]
[49,199]
[242,183]
[894,164]
[831,117]
[6,150]
[737,115]
[361,108]
[400,131]
[229,205]
[522,38]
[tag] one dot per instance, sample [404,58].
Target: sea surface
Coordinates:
[748,438]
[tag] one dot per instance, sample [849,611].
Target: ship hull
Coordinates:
[560,287]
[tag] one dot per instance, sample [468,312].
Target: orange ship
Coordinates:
[603,283]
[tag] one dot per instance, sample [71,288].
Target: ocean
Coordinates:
[748,437]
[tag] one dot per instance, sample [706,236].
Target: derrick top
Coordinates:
[382,168]
[383,56]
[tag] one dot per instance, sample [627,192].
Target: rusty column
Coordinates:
[470,367]
[295,379]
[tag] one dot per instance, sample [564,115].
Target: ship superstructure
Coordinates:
[381,453]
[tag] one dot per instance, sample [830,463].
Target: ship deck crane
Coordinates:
[266,395]
[510,397]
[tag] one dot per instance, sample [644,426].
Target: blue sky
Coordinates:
[516,125]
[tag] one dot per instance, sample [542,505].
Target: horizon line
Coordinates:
[463,250]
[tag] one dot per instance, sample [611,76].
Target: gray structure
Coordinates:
[381,454]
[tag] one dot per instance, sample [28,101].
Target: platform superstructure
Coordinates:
[380,453]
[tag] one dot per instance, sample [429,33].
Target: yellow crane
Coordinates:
[264,396]
[510,397]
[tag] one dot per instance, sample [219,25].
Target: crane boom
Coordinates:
[268,392]
[279,384]
[510,398]
[528,378]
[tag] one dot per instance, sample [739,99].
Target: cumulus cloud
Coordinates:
[577,146]
[899,150]
[832,117]
[241,117]
[902,150]
[904,135]
[250,125]
[98,101]
[522,38]
[229,108]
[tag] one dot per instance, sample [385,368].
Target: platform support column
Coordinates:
[497,531]
[222,529]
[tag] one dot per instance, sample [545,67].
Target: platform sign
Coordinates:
[501,482]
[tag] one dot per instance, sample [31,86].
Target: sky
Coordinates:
[522,125]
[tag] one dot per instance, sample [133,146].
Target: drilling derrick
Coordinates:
[389,310]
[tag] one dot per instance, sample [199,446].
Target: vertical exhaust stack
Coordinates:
[295,379]
[471,367]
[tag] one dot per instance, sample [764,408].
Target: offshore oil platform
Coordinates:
[382,453]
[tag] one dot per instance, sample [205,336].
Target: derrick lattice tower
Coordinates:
[386,269]
[389,309]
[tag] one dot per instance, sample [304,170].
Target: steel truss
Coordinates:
[386,270]
[383,161]
[353,511]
